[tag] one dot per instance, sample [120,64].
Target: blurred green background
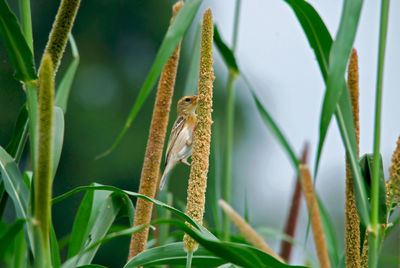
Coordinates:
[117,42]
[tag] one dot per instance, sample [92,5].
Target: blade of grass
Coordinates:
[58,138]
[339,55]
[226,52]
[321,42]
[173,254]
[64,87]
[25,12]
[175,32]
[269,121]
[17,48]
[374,234]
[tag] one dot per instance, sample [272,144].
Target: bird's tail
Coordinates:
[164,176]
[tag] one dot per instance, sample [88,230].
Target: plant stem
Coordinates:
[230,118]
[26,21]
[373,259]
[189,259]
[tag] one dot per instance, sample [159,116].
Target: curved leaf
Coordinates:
[17,48]
[14,184]
[58,137]
[173,254]
[174,34]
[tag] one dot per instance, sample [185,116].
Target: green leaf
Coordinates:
[173,254]
[317,34]
[174,34]
[338,58]
[54,249]
[58,137]
[192,77]
[99,223]
[10,235]
[64,87]
[273,127]
[16,253]
[366,163]
[17,48]
[20,127]
[14,184]
[226,52]
[81,223]
[320,40]
[133,194]
[239,254]
[92,266]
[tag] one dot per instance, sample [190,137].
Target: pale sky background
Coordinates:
[274,53]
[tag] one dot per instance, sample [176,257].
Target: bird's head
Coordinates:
[187,105]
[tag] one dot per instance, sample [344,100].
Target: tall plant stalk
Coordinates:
[374,228]
[149,179]
[230,123]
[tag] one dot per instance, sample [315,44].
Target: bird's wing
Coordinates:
[176,129]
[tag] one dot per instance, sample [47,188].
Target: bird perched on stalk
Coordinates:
[180,143]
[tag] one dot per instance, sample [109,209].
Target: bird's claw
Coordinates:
[186,162]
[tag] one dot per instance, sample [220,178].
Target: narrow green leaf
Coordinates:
[10,235]
[274,127]
[102,220]
[192,77]
[14,184]
[239,254]
[226,52]
[25,13]
[58,137]
[80,226]
[174,34]
[17,253]
[133,194]
[64,87]
[15,146]
[319,39]
[173,254]
[54,249]
[338,58]
[17,48]
[92,266]
[317,34]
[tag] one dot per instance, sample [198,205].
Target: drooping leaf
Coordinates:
[64,87]
[319,39]
[174,34]
[81,223]
[235,253]
[339,55]
[173,254]
[58,137]
[99,223]
[269,121]
[226,52]
[14,184]
[317,34]
[17,48]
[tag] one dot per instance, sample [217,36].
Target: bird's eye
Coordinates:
[187,99]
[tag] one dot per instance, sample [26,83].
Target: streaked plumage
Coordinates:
[180,143]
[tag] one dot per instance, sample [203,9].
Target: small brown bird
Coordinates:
[180,143]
